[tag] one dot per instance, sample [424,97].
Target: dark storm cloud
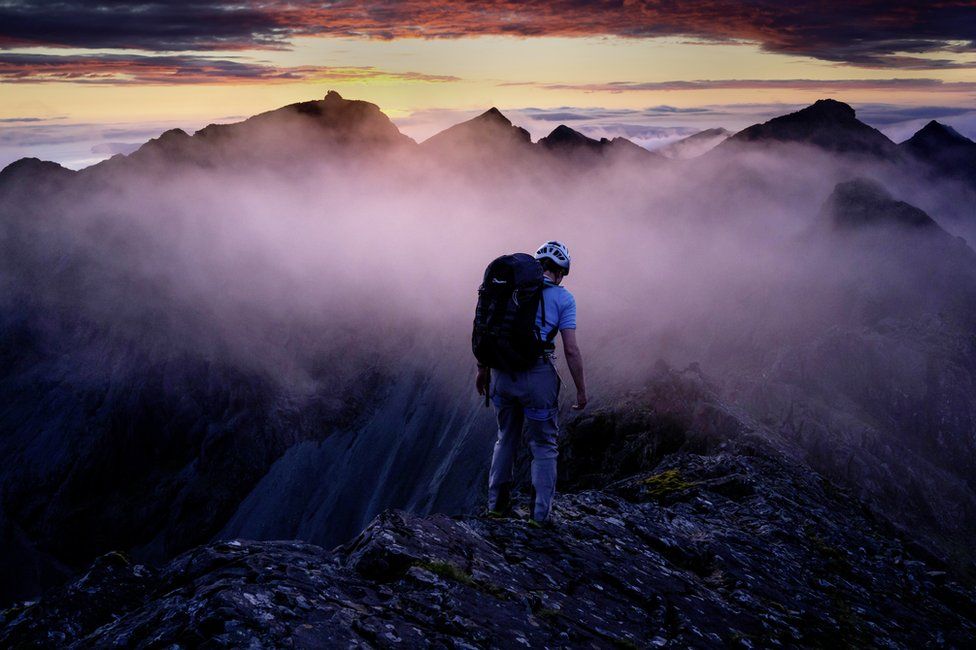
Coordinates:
[121,69]
[870,33]
[176,25]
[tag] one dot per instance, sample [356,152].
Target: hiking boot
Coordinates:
[545,524]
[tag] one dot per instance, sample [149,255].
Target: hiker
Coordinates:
[520,375]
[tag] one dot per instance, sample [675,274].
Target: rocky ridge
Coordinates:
[723,541]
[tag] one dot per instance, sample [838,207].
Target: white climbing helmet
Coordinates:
[555,251]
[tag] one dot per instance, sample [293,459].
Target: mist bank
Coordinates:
[263,329]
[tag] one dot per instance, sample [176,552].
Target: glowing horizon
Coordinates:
[74,94]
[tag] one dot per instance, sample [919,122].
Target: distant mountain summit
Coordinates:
[564,138]
[936,135]
[695,145]
[827,124]
[342,120]
[568,142]
[946,150]
[489,131]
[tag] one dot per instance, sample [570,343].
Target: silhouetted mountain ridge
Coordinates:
[569,143]
[828,124]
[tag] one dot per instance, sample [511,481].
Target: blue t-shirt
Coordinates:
[560,310]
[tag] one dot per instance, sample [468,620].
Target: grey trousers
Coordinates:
[528,398]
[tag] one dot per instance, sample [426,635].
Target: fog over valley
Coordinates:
[263,330]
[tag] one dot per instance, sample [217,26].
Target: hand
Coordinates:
[580,401]
[481,381]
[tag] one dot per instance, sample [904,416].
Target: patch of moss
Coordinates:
[666,482]
[450,571]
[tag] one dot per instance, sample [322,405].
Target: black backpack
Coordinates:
[505,335]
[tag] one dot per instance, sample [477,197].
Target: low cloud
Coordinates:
[113,148]
[74,144]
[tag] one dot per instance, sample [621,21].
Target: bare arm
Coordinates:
[575,362]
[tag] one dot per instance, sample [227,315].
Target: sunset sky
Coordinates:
[82,80]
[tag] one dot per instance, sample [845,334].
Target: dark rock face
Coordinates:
[705,551]
[827,124]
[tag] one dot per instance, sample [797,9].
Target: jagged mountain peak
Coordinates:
[494,114]
[828,110]
[492,118]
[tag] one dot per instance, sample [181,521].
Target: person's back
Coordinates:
[529,398]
